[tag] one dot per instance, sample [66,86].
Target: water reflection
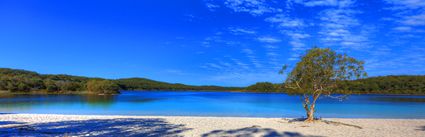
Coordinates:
[189,103]
[399,99]
[22,101]
[99,100]
[26,101]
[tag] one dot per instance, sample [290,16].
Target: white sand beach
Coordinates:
[91,125]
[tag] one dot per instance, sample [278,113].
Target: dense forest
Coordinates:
[386,85]
[147,84]
[413,85]
[14,80]
[265,87]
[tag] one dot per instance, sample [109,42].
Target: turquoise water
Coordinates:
[187,103]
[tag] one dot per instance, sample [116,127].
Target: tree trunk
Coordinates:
[310,114]
[310,106]
[306,105]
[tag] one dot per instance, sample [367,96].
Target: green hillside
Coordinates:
[15,80]
[409,85]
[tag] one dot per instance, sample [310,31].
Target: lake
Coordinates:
[196,103]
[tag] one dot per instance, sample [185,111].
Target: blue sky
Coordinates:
[207,42]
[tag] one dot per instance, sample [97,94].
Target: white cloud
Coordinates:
[313,3]
[293,28]
[247,51]
[409,15]
[403,28]
[330,23]
[213,65]
[296,35]
[285,21]
[240,64]
[382,62]
[217,39]
[415,20]
[267,39]
[250,55]
[246,78]
[254,7]
[340,27]
[212,7]
[225,64]
[297,45]
[206,44]
[270,47]
[239,31]
[272,54]
[406,4]
[321,3]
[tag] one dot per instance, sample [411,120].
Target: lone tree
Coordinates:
[319,72]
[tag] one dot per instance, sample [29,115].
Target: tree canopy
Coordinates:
[319,72]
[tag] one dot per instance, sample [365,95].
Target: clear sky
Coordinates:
[207,42]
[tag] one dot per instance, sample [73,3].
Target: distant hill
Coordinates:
[147,84]
[405,84]
[16,80]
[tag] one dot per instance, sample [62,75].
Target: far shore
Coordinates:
[3,92]
[50,93]
[100,125]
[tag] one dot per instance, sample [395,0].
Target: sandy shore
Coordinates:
[83,125]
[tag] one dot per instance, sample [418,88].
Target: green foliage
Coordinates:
[319,72]
[409,85]
[19,80]
[263,87]
[102,86]
[146,84]
[385,85]
[50,85]
[25,81]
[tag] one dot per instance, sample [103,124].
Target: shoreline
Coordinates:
[2,92]
[206,116]
[98,125]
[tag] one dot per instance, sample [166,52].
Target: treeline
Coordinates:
[147,84]
[386,85]
[265,87]
[14,80]
[409,85]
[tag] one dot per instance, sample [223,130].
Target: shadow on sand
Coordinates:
[421,128]
[97,128]
[9,122]
[325,121]
[251,132]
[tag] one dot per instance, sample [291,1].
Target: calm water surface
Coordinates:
[187,103]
